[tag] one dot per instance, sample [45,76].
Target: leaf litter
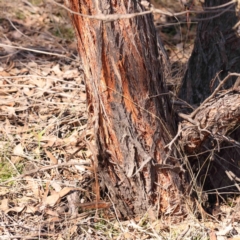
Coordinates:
[47,184]
[43,125]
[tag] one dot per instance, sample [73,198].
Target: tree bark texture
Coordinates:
[216,50]
[124,62]
[213,154]
[213,121]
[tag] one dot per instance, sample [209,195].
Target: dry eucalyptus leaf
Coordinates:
[73,229]
[31,209]
[10,111]
[3,191]
[52,199]
[54,219]
[18,150]
[57,70]
[33,186]
[26,200]
[80,168]
[53,160]
[71,74]
[59,237]
[4,205]
[57,187]
[65,191]
[4,74]
[15,209]
[52,213]
[51,140]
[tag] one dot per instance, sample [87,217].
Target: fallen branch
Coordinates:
[217,116]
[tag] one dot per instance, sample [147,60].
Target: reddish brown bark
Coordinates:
[128,106]
[123,62]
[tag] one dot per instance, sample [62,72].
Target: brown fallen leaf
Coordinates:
[31,209]
[73,230]
[51,200]
[52,213]
[57,71]
[65,191]
[4,205]
[18,149]
[33,185]
[24,71]
[212,235]
[4,74]
[54,219]
[128,235]
[15,209]
[53,160]
[49,141]
[3,191]
[56,196]
[59,237]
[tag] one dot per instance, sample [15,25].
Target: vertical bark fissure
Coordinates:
[123,63]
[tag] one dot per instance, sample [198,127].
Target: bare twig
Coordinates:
[193,114]
[114,17]
[34,50]
[182,235]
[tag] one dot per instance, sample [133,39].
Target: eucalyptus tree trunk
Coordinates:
[216,50]
[124,63]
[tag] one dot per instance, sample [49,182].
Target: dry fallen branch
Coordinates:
[215,117]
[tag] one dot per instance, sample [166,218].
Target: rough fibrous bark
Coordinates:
[216,53]
[128,105]
[214,120]
[123,62]
[216,50]
[213,152]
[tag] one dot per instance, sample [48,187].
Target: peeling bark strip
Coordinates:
[123,62]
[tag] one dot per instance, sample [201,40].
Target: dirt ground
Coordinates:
[47,177]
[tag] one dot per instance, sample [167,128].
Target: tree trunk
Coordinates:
[124,63]
[216,50]
[129,108]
